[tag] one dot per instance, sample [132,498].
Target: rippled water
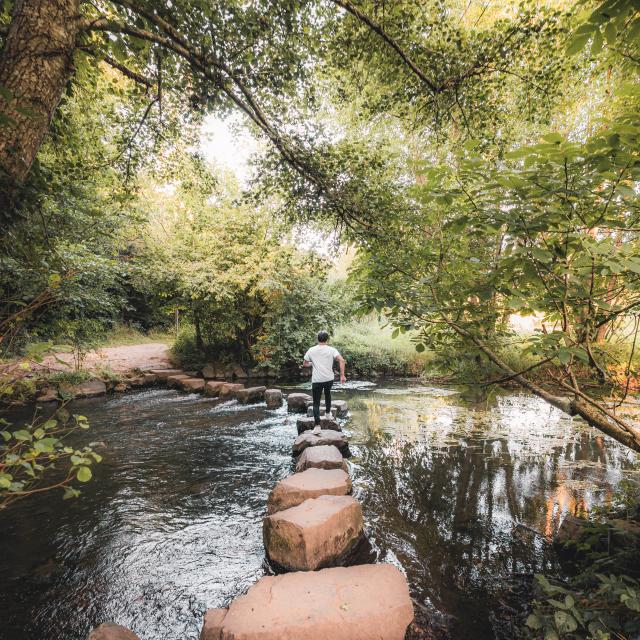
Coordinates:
[172,524]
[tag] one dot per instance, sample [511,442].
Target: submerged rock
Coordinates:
[305,423]
[318,533]
[252,394]
[297,402]
[326,436]
[367,602]
[311,483]
[321,457]
[108,631]
[49,394]
[273,398]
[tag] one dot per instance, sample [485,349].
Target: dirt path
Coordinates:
[152,355]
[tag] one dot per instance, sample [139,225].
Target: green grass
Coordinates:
[370,350]
[123,335]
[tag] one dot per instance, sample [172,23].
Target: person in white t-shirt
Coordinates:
[321,357]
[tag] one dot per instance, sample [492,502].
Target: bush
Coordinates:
[185,350]
[371,351]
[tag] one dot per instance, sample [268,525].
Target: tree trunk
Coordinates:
[35,66]
[625,433]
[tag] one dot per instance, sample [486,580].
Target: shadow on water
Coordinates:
[172,524]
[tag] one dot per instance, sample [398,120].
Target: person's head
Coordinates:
[323,337]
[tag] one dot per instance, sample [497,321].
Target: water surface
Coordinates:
[172,523]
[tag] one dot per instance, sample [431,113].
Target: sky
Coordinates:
[229,144]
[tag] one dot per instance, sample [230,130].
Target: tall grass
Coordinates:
[370,350]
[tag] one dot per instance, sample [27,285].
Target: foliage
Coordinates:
[248,294]
[370,351]
[36,458]
[608,610]
[81,336]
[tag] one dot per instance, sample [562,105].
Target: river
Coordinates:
[454,487]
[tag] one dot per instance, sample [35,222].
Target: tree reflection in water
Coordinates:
[445,482]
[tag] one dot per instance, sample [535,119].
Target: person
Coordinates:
[321,358]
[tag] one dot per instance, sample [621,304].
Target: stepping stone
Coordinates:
[252,394]
[305,424]
[88,389]
[273,398]
[163,374]
[229,389]
[108,631]
[326,436]
[318,533]
[174,381]
[334,411]
[321,457]
[367,602]
[339,406]
[311,483]
[212,388]
[297,402]
[191,385]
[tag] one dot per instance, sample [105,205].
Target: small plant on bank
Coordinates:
[609,609]
[36,458]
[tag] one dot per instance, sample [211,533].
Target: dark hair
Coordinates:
[323,336]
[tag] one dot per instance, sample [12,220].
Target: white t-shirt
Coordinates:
[321,357]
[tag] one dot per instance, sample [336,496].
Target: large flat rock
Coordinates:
[191,385]
[88,389]
[367,602]
[338,407]
[174,381]
[273,398]
[163,374]
[321,457]
[212,388]
[305,423]
[311,483]
[108,631]
[297,402]
[323,411]
[318,533]
[229,389]
[326,436]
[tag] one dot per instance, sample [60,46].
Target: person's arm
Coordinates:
[306,362]
[343,364]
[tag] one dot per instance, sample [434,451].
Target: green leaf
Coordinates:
[577,43]
[565,622]
[596,45]
[22,435]
[84,474]
[420,347]
[533,622]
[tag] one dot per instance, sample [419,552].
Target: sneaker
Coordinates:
[316,430]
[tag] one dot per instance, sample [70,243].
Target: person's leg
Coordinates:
[316,392]
[327,397]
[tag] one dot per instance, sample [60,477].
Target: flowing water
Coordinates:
[452,488]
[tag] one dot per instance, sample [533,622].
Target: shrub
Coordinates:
[371,351]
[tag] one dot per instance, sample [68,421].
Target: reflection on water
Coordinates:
[172,524]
